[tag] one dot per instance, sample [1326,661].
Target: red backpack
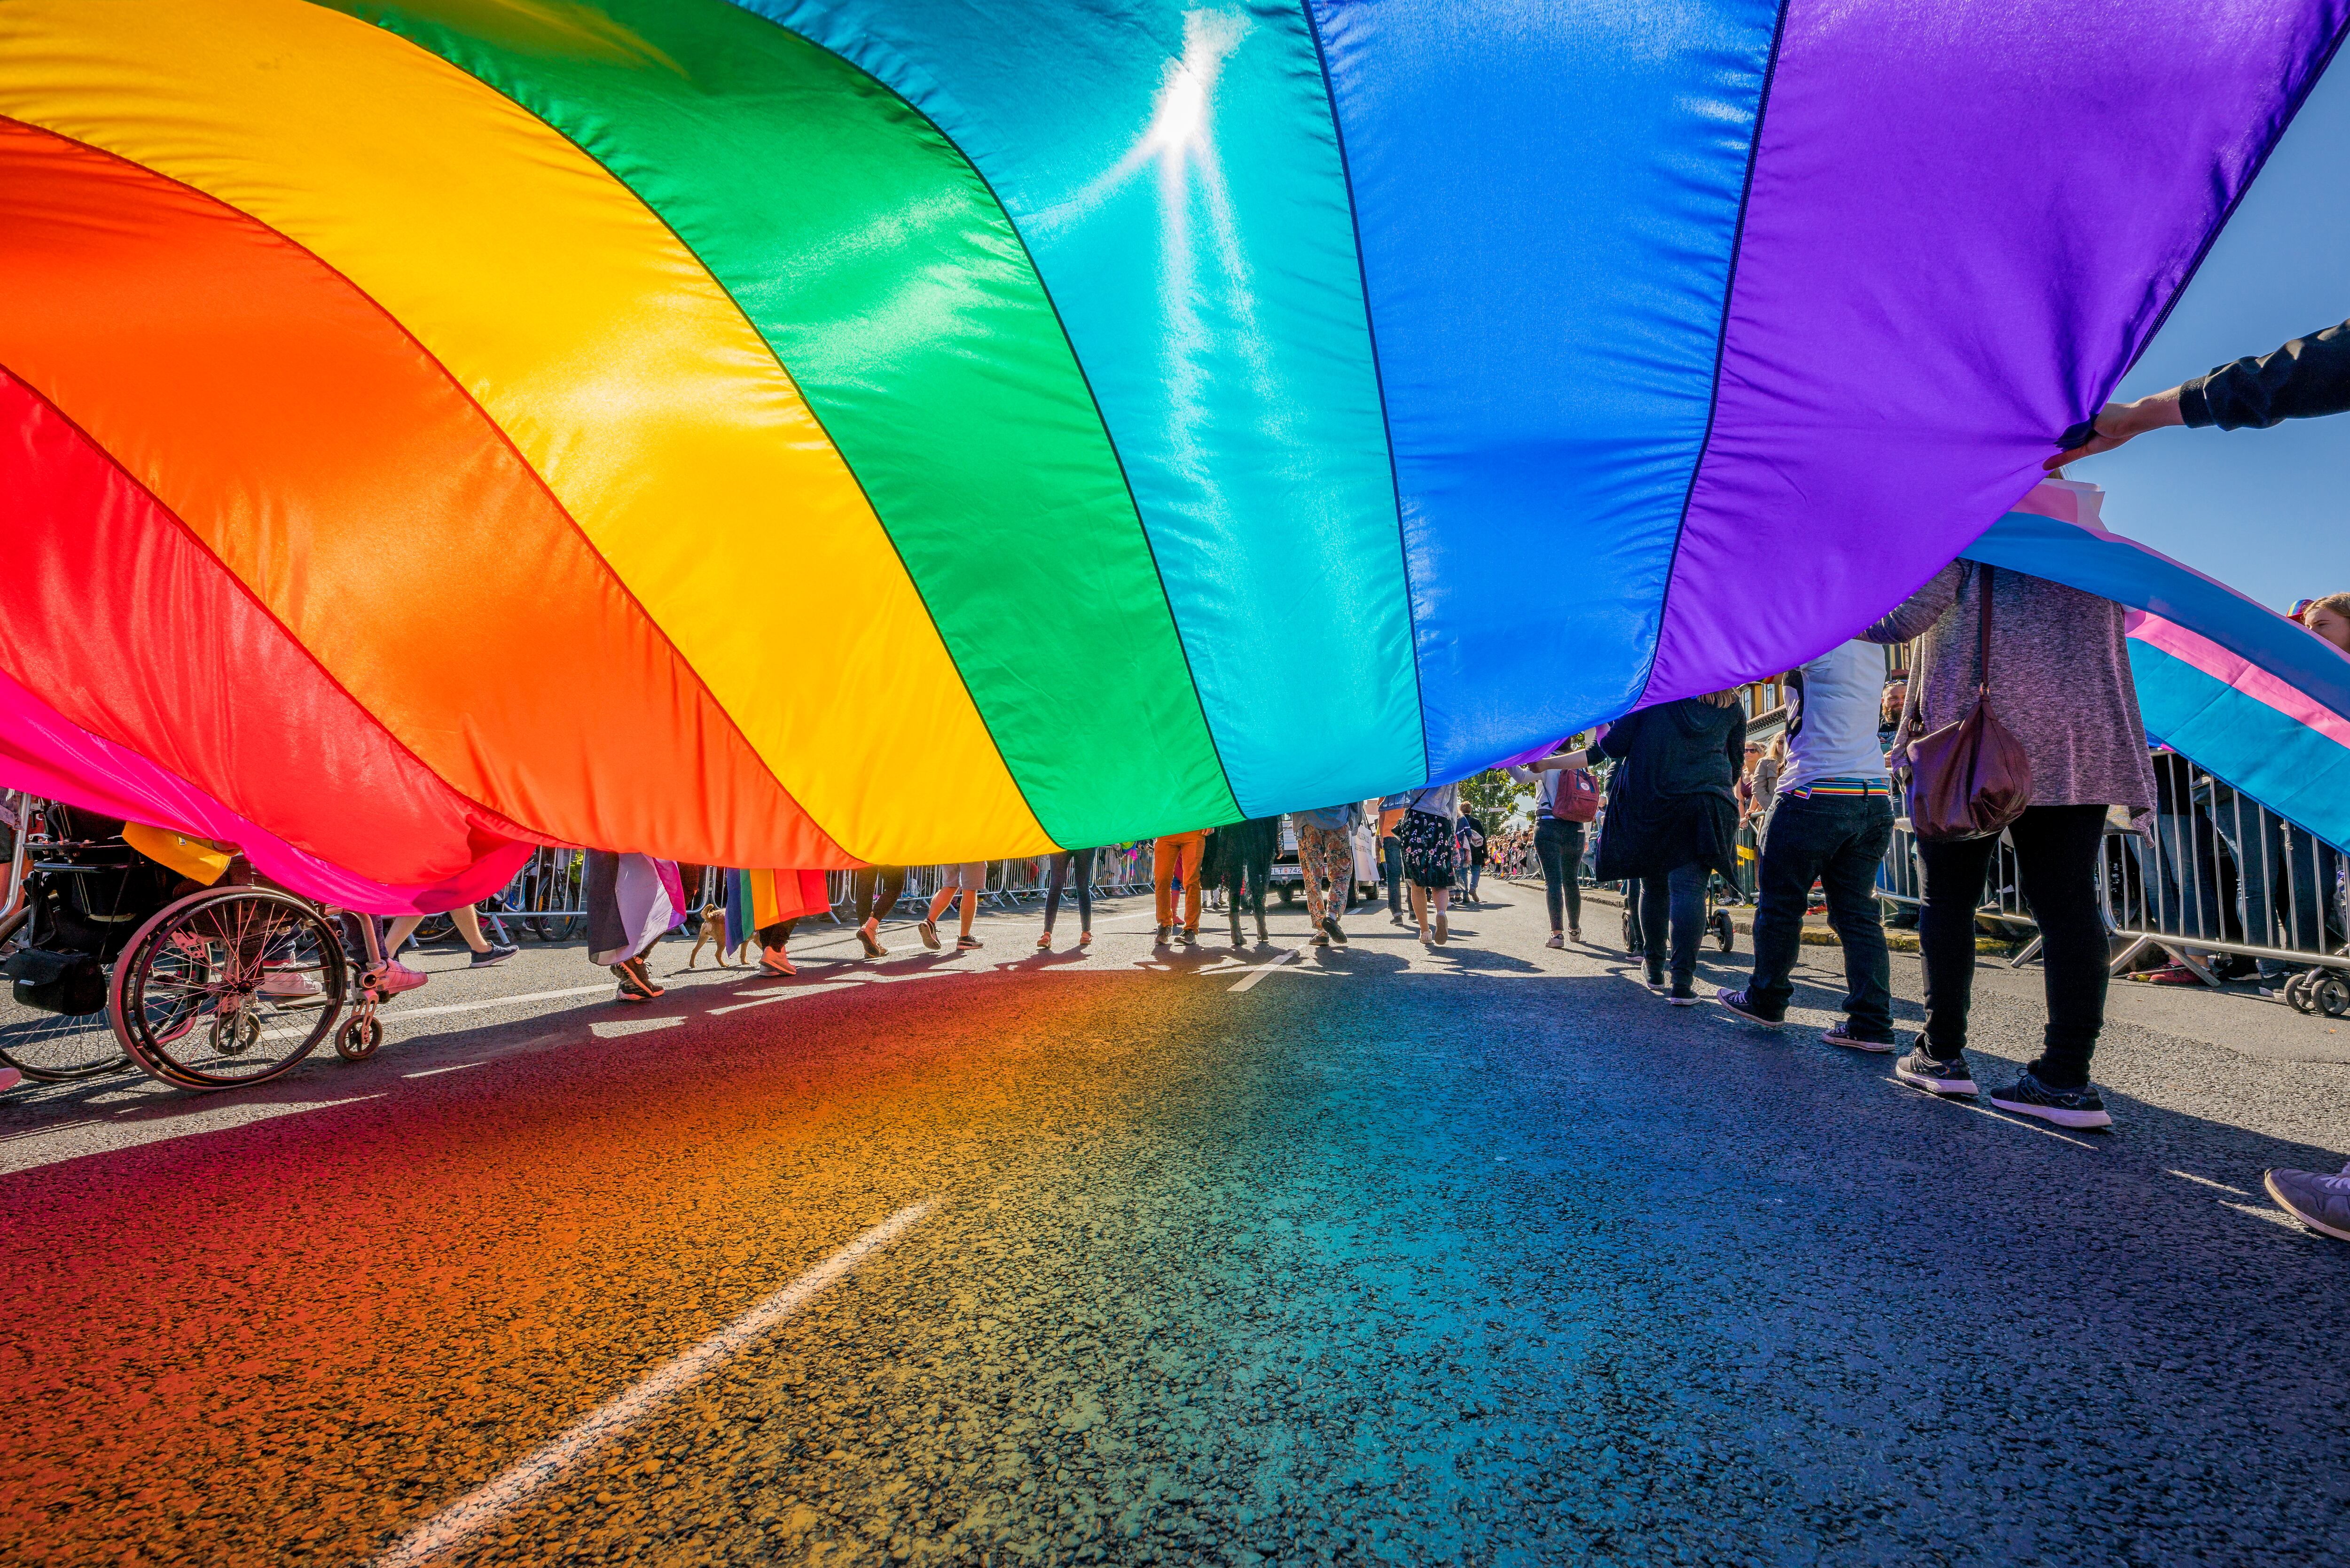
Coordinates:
[1577,799]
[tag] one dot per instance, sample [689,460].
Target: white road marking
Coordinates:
[429,1072]
[494,1501]
[781,995]
[613,1029]
[405,1013]
[2274,1216]
[1261,970]
[2207,1182]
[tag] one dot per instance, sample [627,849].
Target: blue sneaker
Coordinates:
[2028,1096]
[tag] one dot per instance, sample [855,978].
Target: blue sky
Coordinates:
[2266,511]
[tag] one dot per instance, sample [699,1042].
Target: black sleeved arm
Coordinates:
[2307,377]
[1617,742]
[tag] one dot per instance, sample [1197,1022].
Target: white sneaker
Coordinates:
[1556,940]
[399,977]
[286,985]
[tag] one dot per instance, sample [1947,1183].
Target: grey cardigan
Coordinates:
[2060,679]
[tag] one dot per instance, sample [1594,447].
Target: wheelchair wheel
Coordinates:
[55,1048]
[357,1040]
[228,987]
[1631,935]
[1725,935]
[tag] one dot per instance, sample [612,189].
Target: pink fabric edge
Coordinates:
[2236,672]
[48,754]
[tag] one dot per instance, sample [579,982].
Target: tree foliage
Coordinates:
[1493,796]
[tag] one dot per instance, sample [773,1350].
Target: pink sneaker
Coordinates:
[9,1078]
[399,977]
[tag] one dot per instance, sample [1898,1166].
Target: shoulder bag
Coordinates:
[1971,779]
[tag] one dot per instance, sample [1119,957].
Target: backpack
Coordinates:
[1576,798]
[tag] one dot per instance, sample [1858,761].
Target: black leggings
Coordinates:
[2056,864]
[876,890]
[1064,861]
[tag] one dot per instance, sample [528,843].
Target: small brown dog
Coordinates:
[714,931]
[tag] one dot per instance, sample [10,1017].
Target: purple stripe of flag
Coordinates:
[1964,223]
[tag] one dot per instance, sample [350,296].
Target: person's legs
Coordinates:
[1313,865]
[2056,855]
[1849,876]
[970,910]
[1656,906]
[401,930]
[2252,844]
[1164,859]
[1082,862]
[1550,844]
[1061,861]
[2307,868]
[1391,864]
[1190,856]
[1570,867]
[772,941]
[1686,885]
[1810,828]
[1946,937]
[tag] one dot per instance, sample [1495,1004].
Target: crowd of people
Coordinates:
[1670,802]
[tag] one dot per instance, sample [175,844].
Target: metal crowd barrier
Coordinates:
[2215,874]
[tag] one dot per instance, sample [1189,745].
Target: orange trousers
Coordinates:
[1178,855]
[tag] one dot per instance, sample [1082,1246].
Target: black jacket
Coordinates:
[2307,377]
[1673,802]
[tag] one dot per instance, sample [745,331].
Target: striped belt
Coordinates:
[1839,789]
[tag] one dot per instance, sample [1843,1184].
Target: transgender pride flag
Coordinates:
[2252,697]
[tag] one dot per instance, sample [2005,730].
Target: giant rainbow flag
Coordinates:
[805,432]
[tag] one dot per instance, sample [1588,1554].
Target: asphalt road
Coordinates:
[1474,1255]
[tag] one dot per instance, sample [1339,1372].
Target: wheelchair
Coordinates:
[112,959]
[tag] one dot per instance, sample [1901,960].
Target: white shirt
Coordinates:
[1833,734]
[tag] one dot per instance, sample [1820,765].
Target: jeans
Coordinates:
[1246,877]
[1391,868]
[1674,899]
[876,890]
[1476,869]
[2270,856]
[2187,903]
[1840,842]
[1062,860]
[2057,856]
[1559,845]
